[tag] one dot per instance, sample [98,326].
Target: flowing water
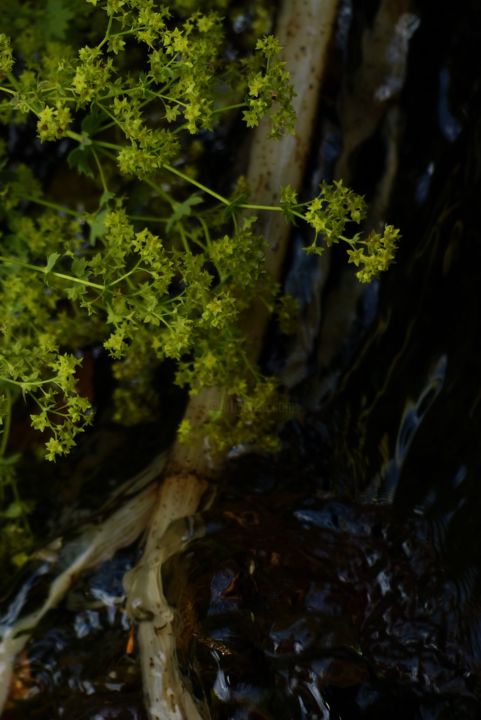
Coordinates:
[342,580]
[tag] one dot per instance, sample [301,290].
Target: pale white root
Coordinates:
[167,698]
[304,30]
[95,543]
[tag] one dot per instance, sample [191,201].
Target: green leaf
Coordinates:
[57,17]
[79,268]
[16,509]
[97,225]
[92,122]
[106,197]
[51,260]
[182,210]
[78,159]
[76,292]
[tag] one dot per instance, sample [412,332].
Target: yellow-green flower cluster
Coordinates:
[92,74]
[53,123]
[269,88]
[375,254]
[331,211]
[6,55]
[332,214]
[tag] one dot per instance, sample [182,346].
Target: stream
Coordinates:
[342,579]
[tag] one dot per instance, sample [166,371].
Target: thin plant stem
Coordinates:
[197,184]
[54,273]
[53,206]
[6,424]
[101,172]
[266,208]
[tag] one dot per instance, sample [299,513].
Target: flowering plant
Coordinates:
[131,249]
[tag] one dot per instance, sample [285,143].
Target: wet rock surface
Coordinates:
[81,662]
[299,605]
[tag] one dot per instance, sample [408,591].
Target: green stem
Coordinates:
[109,146]
[225,201]
[77,136]
[18,500]
[12,80]
[6,425]
[252,369]
[114,119]
[107,33]
[106,153]
[134,90]
[163,194]
[350,241]
[113,123]
[169,99]
[217,196]
[298,215]
[197,184]
[72,278]
[183,238]
[52,205]
[268,208]
[206,233]
[126,32]
[61,276]
[101,172]
[226,108]
[123,277]
[22,384]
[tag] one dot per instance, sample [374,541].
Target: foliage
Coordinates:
[146,259]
